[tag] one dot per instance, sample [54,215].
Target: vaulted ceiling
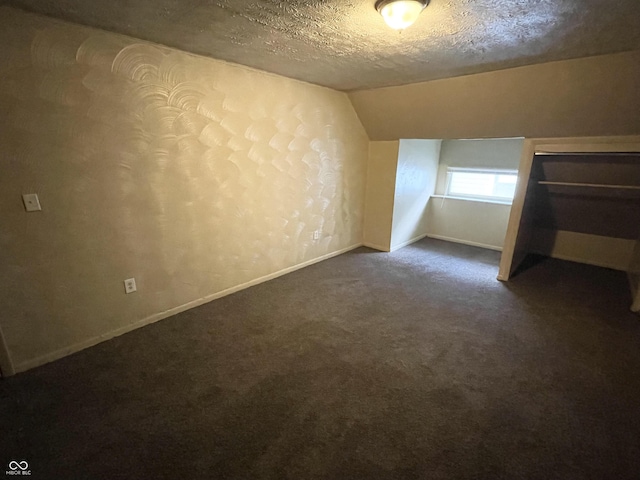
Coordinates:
[344,44]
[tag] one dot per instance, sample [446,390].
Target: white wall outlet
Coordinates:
[31,202]
[316,235]
[130,285]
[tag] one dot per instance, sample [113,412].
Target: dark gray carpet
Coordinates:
[411,365]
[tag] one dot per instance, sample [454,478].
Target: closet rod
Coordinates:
[596,185]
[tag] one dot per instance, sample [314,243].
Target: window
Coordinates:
[481,184]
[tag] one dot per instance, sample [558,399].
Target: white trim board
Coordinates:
[376,247]
[470,199]
[408,242]
[634,283]
[63,352]
[6,365]
[465,242]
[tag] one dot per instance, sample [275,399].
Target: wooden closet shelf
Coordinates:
[590,185]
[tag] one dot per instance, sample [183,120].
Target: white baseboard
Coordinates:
[63,352]
[376,247]
[465,242]
[408,242]
[6,365]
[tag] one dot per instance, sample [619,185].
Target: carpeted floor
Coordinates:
[411,365]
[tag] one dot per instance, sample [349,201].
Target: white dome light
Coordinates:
[400,14]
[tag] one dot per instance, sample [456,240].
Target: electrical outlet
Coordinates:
[31,202]
[316,235]
[130,285]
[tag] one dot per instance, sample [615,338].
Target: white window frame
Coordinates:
[479,198]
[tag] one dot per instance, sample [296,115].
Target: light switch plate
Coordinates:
[31,202]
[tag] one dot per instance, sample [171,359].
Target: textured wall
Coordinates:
[586,97]
[415,182]
[381,184]
[189,174]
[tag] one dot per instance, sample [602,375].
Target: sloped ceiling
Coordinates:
[344,44]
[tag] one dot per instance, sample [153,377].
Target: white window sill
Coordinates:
[476,200]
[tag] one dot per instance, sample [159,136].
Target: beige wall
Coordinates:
[194,176]
[381,185]
[415,182]
[590,96]
[608,252]
[473,223]
[479,153]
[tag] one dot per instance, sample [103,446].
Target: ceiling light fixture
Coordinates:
[400,14]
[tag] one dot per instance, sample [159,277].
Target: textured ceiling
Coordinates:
[344,44]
